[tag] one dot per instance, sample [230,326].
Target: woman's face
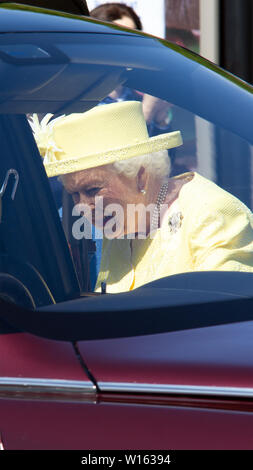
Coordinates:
[117,192]
[126,21]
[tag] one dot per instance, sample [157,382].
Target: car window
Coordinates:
[47,78]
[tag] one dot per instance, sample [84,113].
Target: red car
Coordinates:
[170,364]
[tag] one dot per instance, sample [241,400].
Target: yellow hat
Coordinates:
[102,135]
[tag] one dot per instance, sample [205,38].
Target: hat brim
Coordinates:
[153,144]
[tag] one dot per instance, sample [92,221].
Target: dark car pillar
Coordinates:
[236,35]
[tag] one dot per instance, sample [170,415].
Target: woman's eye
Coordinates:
[75,197]
[92,191]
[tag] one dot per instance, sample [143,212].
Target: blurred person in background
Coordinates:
[156,111]
[118,13]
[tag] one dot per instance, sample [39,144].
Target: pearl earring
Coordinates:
[143,191]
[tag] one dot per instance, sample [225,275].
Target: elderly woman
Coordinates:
[154,226]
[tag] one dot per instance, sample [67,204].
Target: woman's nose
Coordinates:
[76,198]
[83,199]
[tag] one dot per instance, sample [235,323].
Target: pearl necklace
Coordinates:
[160,200]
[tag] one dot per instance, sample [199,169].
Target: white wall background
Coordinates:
[151,13]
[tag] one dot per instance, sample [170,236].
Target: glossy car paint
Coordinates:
[214,356]
[24,355]
[48,424]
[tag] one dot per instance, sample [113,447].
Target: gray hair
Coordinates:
[157,163]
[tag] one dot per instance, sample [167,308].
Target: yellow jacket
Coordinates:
[212,230]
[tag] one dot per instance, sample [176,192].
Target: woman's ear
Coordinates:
[142,177]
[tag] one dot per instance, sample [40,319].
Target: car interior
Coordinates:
[42,267]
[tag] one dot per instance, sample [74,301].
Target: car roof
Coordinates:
[24,18]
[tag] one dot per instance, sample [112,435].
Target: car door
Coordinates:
[188,389]
[44,392]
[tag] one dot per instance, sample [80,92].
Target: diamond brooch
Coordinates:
[175,222]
